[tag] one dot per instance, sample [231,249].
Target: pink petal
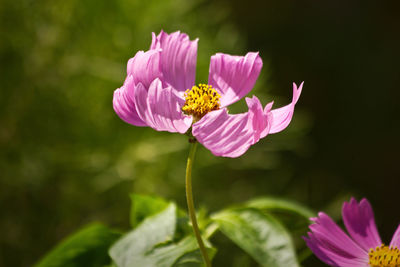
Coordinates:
[333,257]
[283,116]
[232,135]
[234,76]
[124,104]
[145,67]
[178,59]
[261,119]
[332,238]
[160,108]
[267,112]
[396,239]
[360,223]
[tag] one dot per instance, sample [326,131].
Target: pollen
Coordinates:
[384,256]
[200,100]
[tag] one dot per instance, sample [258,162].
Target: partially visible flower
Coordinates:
[362,248]
[160,92]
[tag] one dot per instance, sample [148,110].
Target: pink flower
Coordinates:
[160,92]
[362,248]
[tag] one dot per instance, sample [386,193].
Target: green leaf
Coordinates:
[194,258]
[191,259]
[88,247]
[260,235]
[151,244]
[273,204]
[144,206]
[159,228]
[184,253]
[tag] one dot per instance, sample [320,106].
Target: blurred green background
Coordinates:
[66,159]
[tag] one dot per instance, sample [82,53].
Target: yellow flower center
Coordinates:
[384,256]
[200,100]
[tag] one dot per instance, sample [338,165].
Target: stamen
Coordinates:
[384,256]
[200,100]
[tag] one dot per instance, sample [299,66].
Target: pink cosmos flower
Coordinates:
[362,248]
[160,92]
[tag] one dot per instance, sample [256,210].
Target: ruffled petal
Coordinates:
[178,59]
[283,116]
[396,239]
[160,108]
[331,257]
[267,113]
[328,237]
[234,76]
[232,135]
[144,67]
[360,223]
[222,134]
[124,103]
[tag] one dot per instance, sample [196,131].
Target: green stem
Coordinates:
[189,198]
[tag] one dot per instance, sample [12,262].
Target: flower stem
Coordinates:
[189,198]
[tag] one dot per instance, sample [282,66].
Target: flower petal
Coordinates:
[260,119]
[124,104]
[333,239]
[234,76]
[330,257]
[178,59]
[360,223]
[232,135]
[396,239]
[267,112]
[283,116]
[144,67]
[160,108]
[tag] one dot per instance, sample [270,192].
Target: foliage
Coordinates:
[87,247]
[260,235]
[161,236]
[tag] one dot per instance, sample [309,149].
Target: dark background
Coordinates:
[66,159]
